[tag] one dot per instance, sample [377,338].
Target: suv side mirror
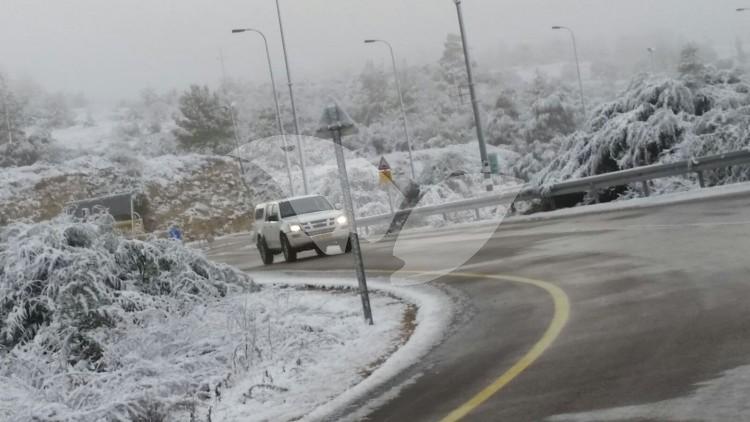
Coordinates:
[337,205]
[273,217]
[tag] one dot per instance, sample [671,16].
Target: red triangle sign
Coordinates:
[383,166]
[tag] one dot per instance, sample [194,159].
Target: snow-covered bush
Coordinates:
[25,150]
[660,120]
[70,288]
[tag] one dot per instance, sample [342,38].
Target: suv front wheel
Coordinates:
[290,254]
[265,254]
[346,245]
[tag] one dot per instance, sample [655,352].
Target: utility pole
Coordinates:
[291,100]
[474,101]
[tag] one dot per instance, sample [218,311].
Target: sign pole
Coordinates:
[390,199]
[385,178]
[353,234]
[335,124]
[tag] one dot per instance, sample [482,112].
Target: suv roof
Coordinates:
[291,198]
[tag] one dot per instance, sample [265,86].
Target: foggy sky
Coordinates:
[111,49]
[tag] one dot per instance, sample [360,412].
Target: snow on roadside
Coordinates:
[435,313]
[319,348]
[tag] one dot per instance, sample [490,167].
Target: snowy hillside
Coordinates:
[203,194]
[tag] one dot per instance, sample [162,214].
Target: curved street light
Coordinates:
[401,101]
[291,100]
[276,102]
[651,51]
[578,65]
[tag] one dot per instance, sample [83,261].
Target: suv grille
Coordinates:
[315,227]
[320,231]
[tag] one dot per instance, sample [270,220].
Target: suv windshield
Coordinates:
[304,206]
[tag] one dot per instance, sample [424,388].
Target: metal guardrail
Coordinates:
[654,171]
[582,185]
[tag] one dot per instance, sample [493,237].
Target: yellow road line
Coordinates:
[559,319]
[562,312]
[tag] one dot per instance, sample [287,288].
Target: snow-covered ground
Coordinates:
[93,131]
[436,311]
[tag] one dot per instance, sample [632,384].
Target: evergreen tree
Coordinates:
[690,64]
[452,61]
[741,54]
[374,94]
[204,124]
[56,112]
[12,118]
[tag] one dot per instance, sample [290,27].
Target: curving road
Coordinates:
[659,301]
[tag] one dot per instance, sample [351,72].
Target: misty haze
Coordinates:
[380,210]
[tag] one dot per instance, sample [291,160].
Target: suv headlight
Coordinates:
[294,228]
[341,220]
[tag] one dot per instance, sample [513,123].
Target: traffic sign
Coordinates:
[335,122]
[384,172]
[383,164]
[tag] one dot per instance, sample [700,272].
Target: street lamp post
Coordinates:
[474,101]
[291,100]
[578,65]
[276,103]
[5,110]
[651,52]
[401,101]
[235,129]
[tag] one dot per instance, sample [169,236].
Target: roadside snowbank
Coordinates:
[435,313]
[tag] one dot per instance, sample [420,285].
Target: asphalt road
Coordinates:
[658,303]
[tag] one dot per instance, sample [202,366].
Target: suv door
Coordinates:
[272,227]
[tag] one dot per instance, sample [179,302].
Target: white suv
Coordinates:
[296,224]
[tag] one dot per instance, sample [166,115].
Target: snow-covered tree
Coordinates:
[691,65]
[503,127]
[553,110]
[55,112]
[658,120]
[12,117]
[452,63]
[204,123]
[374,97]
